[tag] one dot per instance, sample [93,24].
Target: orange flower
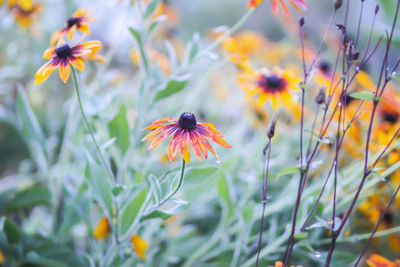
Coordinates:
[78,21]
[139,245]
[187,132]
[103,229]
[63,56]
[378,261]
[297,4]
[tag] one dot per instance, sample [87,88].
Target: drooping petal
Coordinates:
[285,8]
[207,144]
[173,146]
[185,146]
[161,129]
[274,5]
[44,72]
[77,63]
[50,53]
[161,138]
[195,145]
[64,70]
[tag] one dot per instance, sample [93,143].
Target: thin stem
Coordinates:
[103,161]
[265,188]
[377,225]
[178,187]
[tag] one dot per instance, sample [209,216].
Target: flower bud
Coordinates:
[271,130]
[320,98]
[301,21]
[376,9]
[338,4]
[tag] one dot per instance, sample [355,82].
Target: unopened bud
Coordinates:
[271,130]
[376,9]
[338,4]
[301,21]
[320,98]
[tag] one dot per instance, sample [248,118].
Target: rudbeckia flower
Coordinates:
[270,85]
[63,56]
[103,229]
[139,245]
[187,132]
[376,260]
[25,12]
[78,21]
[297,4]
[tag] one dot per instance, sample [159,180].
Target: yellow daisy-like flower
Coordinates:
[272,85]
[139,245]
[78,21]
[103,229]
[376,260]
[25,12]
[63,56]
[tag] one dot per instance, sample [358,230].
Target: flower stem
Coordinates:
[178,187]
[89,127]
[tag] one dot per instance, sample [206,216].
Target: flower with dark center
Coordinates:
[390,117]
[78,21]
[325,67]
[187,132]
[25,14]
[63,56]
[275,86]
[297,4]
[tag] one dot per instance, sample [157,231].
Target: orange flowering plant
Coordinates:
[166,139]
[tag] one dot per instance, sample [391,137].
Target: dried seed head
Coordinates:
[320,98]
[301,21]
[338,4]
[271,130]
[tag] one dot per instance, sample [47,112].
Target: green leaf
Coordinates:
[117,190]
[130,211]
[224,190]
[365,95]
[30,197]
[151,7]
[12,232]
[300,235]
[157,214]
[99,184]
[119,128]
[156,188]
[155,23]
[58,252]
[172,87]
[139,41]
[288,170]
[199,174]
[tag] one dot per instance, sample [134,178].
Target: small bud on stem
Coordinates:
[271,130]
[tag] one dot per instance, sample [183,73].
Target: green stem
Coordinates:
[103,161]
[89,127]
[178,187]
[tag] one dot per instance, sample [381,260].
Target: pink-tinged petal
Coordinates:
[195,145]
[161,138]
[185,147]
[303,4]
[161,129]
[274,5]
[207,144]
[209,127]
[202,144]
[165,120]
[285,8]
[173,146]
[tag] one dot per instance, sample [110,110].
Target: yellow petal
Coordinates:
[103,228]
[64,72]
[78,64]
[139,245]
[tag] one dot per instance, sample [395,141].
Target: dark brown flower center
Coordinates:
[272,83]
[187,121]
[72,21]
[390,117]
[348,99]
[324,66]
[63,51]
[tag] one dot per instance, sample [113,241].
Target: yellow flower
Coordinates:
[63,56]
[78,21]
[103,229]
[269,85]
[25,12]
[2,258]
[139,245]
[376,260]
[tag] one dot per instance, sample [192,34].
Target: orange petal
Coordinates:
[173,146]
[195,145]
[185,147]
[161,138]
